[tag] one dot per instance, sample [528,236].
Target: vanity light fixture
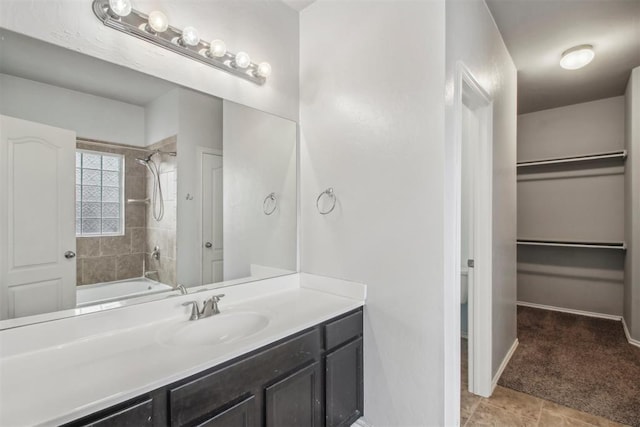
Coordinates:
[155,28]
[577,57]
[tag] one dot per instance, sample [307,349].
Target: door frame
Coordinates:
[200,152]
[468,91]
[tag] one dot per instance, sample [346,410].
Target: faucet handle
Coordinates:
[195,310]
[217,298]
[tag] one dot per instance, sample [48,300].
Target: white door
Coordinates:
[37,218]
[212,242]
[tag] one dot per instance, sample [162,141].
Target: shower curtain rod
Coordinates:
[115,145]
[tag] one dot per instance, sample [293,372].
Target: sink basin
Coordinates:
[220,328]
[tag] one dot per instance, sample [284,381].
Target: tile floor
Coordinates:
[511,408]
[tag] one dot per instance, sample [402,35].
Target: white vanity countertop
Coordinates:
[58,371]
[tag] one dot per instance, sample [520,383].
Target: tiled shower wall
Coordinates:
[163,233]
[109,258]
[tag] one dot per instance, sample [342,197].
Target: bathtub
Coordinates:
[114,291]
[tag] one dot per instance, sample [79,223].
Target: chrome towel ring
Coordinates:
[265,204]
[329,193]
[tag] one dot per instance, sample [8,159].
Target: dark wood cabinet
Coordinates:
[343,378]
[296,400]
[310,379]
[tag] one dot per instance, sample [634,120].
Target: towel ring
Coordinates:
[272,197]
[329,193]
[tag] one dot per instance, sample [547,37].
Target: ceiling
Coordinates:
[536,33]
[298,4]
[32,59]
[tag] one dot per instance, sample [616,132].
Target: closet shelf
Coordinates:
[622,154]
[573,244]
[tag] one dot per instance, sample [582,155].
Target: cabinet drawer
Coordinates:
[239,415]
[137,415]
[342,330]
[207,394]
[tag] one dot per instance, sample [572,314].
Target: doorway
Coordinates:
[211,219]
[472,120]
[475,195]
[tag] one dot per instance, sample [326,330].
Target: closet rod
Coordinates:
[570,244]
[609,155]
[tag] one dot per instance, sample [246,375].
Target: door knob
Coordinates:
[69,254]
[208,245]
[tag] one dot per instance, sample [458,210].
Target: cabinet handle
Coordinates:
[69,254]
[208,245]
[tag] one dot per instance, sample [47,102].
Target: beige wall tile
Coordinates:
[135,215]
[87,246]
[96,270]
[138,239]
[115,245]
[129,266]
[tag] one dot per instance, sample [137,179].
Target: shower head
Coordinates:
[146,160]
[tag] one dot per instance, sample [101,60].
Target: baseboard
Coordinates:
[570,310]
[585,313]
[360,422]
[628,335]
[503,365]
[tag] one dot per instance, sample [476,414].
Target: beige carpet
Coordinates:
[582,362]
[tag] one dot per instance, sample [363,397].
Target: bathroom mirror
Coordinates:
[117,186]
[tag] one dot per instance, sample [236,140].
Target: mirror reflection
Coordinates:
[118,187]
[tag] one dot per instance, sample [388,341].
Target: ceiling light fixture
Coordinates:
[155,28]
[577,57]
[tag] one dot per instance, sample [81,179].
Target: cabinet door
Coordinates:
[239,415]
[344,385]
[295,401]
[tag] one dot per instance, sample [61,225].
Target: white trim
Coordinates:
[480,291]
[628,334]
[570,310]
[503,365]
[360,422]
[466,88]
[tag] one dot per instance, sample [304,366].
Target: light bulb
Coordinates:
[242,60]
[158,21]
[120,7]
[217,49]
[577,57]
[190,36]
[264,69]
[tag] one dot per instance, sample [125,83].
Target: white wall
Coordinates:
[586,128]
[267,30]
[89,116]
[259,158]
[473,38]
[161,117]
[632,206]
[572,202]
[199,125]
[372,127]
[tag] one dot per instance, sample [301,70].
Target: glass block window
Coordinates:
[99,193]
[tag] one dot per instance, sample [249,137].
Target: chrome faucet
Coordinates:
[209,307]
[182,289]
